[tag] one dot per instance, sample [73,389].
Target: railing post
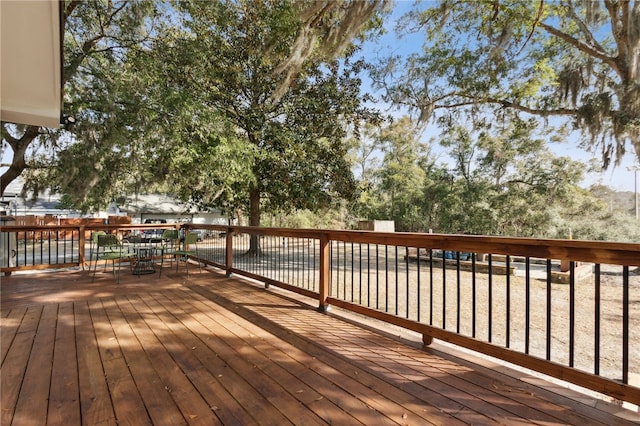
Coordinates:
[81,245]
[324,274]
[229,253]
[426,339]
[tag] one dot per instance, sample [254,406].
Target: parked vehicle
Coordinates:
[452,255]
[202,234]
[150,235]
[153,235]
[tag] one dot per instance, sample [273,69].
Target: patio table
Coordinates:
[144,260]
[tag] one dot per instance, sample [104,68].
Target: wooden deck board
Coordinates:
[125,397]
[95,401]
[34,393]
[233,356]
[15,363]
[64,401]
[344,379]
[151,376]
[342,339]
[220,399]
[214,350]
[280,363]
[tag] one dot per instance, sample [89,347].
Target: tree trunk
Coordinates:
[254,220]
[18,163]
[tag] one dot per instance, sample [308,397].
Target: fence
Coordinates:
[569,309]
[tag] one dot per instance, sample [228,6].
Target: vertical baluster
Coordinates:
[377,276]
[368,275]
[305,263]
[290,259]
[295,265]
[353,267]
[490,299]
[419,283]
[33,250]
[320,266]
[527,303]
[282,258]
[386,278]
[406,260]
[397,285]
[301,262]
[548,341]
[278,248]
[48,250]
[299,265]
[572,311]
[508,303]
[596,343]
[458,292]
[360,271]
[625,324]
[344,261]
[473,295]
[276,257]
[26,245]
[310,262]
[337,282]
[444,290]
[430,286]
[273,259]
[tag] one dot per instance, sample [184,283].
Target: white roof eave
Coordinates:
[31,58]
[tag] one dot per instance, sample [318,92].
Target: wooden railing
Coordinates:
[569,309]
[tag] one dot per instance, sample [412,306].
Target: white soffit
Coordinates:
[30,60]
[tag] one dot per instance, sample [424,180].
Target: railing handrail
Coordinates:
[618,253]
[91,227]
[610,252]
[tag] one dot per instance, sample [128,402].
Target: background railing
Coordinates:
[569,309]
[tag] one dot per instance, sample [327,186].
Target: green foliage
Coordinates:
[336,217]
[567,59]
[229,60]
[104,156]
[209,101]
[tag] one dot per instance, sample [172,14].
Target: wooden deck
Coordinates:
[215,350]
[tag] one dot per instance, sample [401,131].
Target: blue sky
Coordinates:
[619,178]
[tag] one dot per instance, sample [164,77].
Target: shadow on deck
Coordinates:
[215,350]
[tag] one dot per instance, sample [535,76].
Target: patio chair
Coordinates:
[92,244]
[113,250]
[170,243]
[184,253]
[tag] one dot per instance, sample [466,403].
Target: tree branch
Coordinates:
[584,28]
[6,136]
[620,29]
[583,47]
[70,8]
[506,104]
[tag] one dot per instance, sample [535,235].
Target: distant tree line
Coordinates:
[505,182]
